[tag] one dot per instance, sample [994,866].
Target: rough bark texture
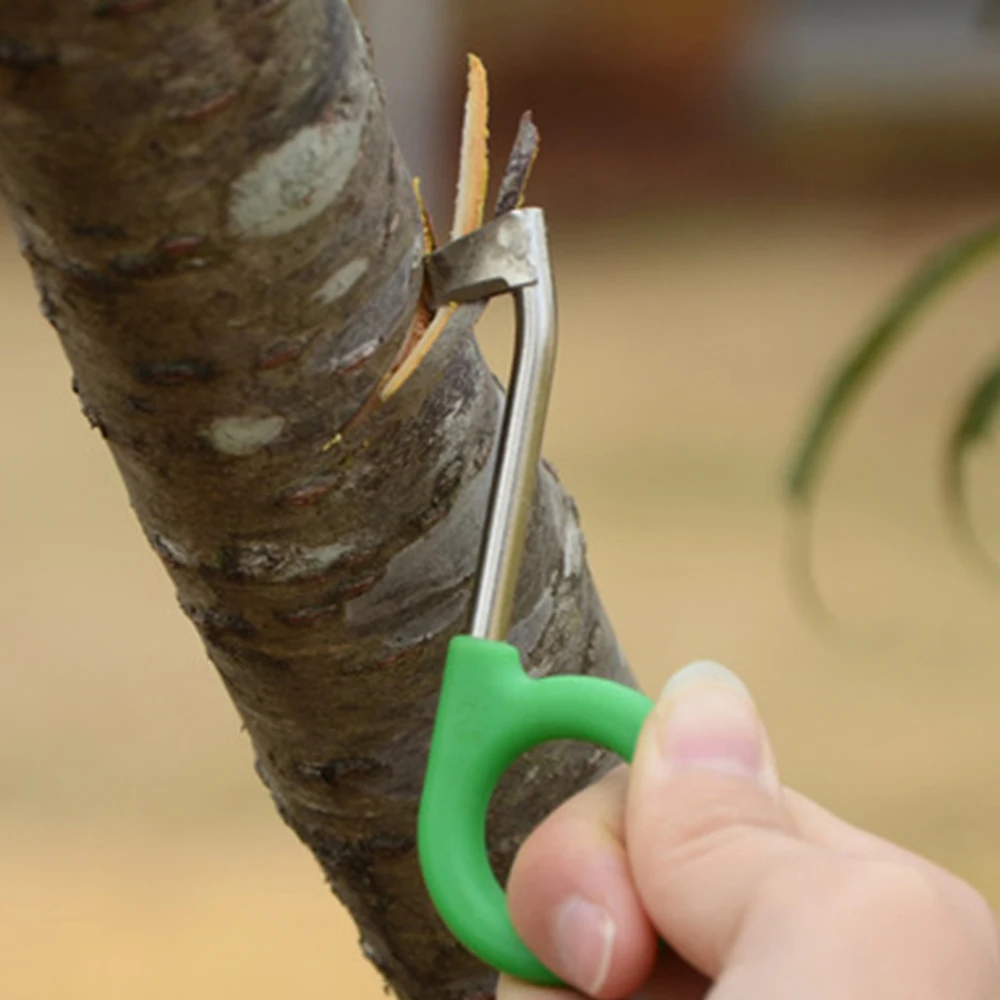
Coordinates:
[226,241]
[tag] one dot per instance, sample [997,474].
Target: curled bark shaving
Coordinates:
[225,239]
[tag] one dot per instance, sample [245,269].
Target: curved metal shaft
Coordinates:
[509,254]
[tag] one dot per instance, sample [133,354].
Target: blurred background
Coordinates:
[735,187]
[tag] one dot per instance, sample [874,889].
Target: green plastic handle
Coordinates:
[490,713]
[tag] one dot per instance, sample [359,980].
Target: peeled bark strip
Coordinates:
[226,241]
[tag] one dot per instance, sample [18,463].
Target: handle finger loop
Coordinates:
[491,713]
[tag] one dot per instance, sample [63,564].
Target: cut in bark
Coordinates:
[225,239]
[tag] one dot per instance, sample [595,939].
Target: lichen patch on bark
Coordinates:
[573,548]
[282,562]
[342,280]
[244,435]
[294,184]
[173,553]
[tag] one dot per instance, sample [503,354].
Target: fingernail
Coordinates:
[585,939]
[708,722]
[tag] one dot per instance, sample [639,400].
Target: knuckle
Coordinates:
[976,904]
[891,914]
[862,897]
[853,897]
[889,891]
[943,931]
[865,894]
[706,815]
[981,916]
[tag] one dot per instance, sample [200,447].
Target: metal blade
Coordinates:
[493,260]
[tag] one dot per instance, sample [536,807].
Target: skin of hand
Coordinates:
[757,892]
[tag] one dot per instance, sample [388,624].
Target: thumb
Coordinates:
[706,827]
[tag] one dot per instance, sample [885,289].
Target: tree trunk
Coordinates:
[225,239]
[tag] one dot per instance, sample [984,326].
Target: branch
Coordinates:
[227,243]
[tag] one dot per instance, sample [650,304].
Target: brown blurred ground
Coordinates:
[138,854]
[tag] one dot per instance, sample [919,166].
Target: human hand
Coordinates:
[759,893]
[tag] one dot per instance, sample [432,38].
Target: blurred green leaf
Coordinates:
[976,421]
[940,273]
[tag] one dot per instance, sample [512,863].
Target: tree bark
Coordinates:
[224,237]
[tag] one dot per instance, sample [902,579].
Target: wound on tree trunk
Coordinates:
[228,245]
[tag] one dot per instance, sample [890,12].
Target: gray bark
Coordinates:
[226,241]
